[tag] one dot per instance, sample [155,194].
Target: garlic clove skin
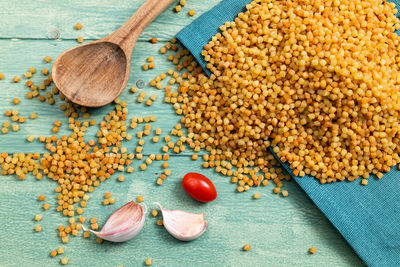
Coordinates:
[183,225]
[124,224]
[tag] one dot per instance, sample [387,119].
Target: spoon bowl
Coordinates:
[96,73]
[92,74]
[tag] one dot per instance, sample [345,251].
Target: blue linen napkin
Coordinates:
[368,217]
[195,36]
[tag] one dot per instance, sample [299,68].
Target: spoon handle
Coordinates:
[127,35]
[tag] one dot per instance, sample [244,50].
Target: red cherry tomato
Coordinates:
[199,187]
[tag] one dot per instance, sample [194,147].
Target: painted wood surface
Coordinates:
[94,74]
[280,230]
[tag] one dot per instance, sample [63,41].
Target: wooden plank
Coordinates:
[44,19]
[280,230]
[33,53]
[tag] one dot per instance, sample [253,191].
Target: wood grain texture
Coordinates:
[28,19]
[37,50]
[280,230]
[126,36]
[94,74]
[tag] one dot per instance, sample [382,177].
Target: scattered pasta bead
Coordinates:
[60,251]
[33,115]
[154,213]
[246,247]
[134,89]
[312,250]
[28,75]
[30,138]
[148,261]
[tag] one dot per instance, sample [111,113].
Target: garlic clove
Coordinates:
[183,225]
[124,224]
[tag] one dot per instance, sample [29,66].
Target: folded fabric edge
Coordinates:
[194,36]
[197,34]
[307,189]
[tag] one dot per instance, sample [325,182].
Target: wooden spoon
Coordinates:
[96,73]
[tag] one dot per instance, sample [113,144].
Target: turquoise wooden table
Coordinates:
[280,230]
